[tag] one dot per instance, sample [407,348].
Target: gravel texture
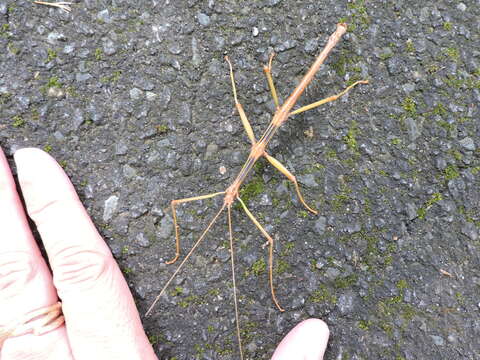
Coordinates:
[134,100]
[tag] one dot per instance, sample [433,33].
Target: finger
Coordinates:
[308,340]
[25,281]
[101,318]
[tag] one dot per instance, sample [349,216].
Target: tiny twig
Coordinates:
[61,5]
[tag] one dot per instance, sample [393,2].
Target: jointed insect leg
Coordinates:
[291,177]
[328,99]
[243,116]
[270,258]
[187,256]
[235,302]
[271,85]
[175,223]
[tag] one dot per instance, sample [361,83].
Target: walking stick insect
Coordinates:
[258,149]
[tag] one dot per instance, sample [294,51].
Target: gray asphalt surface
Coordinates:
[134,100]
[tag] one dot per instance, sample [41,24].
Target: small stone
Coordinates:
[136,94]
[104,16]
[121,148]
[109,47]
[255,31]
[77,119]
[470,230]
[308,180]
[468,143]
[411,211]
[175,48]
[54,36]
[211,150]
[203,19]
[311,45]
[164,97]
[142,240]
[166,228]
[437,340]
[346,303]
[80,77]
[332,273]
[461,6]
[353,228]
[55,92]
[110,207]
[413,130]
[68,49]
[129,172]
[151,96]
[265,200]
[320,225]
[409,87]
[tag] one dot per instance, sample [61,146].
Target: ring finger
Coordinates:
[25,281]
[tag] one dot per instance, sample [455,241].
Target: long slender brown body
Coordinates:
[258,150]
[281,115]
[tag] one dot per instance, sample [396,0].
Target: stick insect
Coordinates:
[258,149]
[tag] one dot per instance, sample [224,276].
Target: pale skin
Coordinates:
[101,320]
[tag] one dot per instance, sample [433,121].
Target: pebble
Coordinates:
[136,94]
[320,225]
[210,151]
[110,206]
[203,19]
[470,230]
[142,240]
[166,228]
[413,130]
[468,143]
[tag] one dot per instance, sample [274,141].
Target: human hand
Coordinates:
[101,320]
[306,341]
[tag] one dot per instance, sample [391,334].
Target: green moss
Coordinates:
[176,291]
[396,141]
[439,109]
[98,54]
[5,97]
[451,172]
[252,189]
[47,148]
[345,282]
[258,267]
[162,129]
[385,55]
[189,300]
[453,53]
[364,324]
[124,250]
[17,121]
[4,31]
[402,285]
[303,214]
[409,47]
[409,105]
[351,138]
[282,267]
[323,295]
[447,26]
[421,213]
[113,78]
[52,54]
[13,49]
[287,248]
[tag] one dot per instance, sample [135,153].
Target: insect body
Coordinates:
[258,150]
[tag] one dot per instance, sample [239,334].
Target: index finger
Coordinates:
[100,314]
